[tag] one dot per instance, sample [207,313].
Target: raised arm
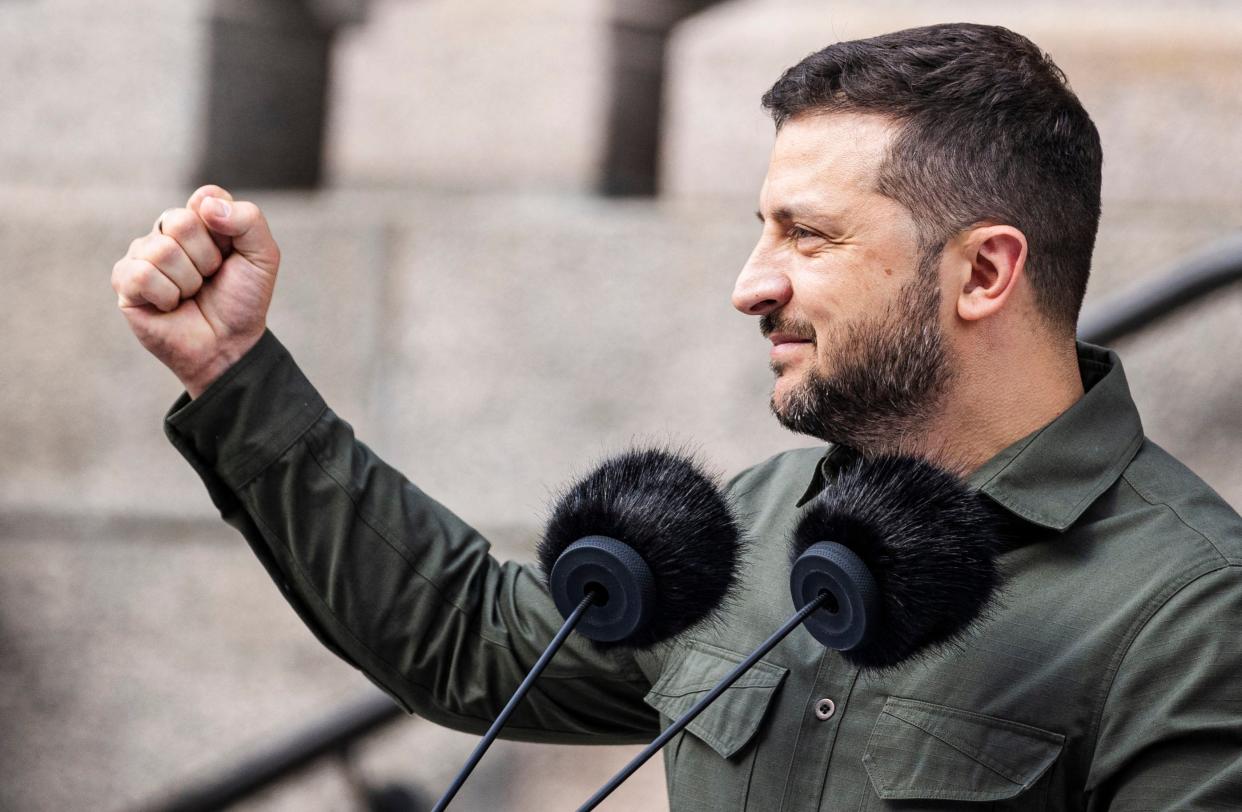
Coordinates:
[385,576]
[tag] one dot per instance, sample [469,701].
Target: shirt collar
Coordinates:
[826,470]
[1053,474]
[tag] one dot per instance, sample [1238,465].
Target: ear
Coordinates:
[996,257]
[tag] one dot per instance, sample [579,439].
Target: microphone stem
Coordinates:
[523,689]
[700,706]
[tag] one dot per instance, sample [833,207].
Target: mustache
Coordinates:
[776,322]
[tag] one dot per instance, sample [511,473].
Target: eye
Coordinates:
[796,233]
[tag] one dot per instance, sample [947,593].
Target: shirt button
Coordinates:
[824,709]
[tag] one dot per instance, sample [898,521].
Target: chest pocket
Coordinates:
[709,763]
[921,755]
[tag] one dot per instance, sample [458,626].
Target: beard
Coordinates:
[889,373]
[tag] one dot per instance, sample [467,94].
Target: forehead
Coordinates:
[822,159]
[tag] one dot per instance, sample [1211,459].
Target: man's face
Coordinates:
[851,306]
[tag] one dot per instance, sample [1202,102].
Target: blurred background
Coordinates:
[510,231]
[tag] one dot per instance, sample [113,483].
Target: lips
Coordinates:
[779,339]
[786,349]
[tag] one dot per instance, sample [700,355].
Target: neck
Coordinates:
[993,402]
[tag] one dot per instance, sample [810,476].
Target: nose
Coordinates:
[761,287]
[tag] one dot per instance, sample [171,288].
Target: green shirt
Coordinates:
[1109,676]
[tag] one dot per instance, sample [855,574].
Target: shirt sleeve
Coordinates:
[388,579]
[1171,731]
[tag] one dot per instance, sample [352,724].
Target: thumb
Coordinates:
[247,226]
[225,244]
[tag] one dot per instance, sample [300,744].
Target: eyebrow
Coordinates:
[784,214]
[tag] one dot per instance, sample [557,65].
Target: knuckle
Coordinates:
[143,245]
[164,251]
[179,223]
[144,276]
[127,283]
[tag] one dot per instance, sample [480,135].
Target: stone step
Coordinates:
[486,95]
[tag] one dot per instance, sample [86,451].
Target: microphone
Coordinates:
[636,552]
[892,562]
[929,545]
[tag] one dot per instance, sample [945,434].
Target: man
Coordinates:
[928,219]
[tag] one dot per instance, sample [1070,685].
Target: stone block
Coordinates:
[100,93]
[471,94]
[1160,83]
[82,404]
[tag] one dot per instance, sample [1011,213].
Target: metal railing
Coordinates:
[1219,265]
[332,735]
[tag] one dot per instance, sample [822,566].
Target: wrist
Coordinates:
[198,383]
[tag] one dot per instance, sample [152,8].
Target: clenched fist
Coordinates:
[197,288]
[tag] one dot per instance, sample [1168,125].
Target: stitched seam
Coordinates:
[774,674]
[836,734]
[717,743]
[868,759]
[332,612]
[711,741]
[1127,455]
[382,535]
[1029,731]
[295,435]
[301,573]
[1100,365]
[214,391]
[395,675]
[1159,603]
[978,758]
[1151,500]
[819,671]
[1014,459]
[706,686]
[736,658]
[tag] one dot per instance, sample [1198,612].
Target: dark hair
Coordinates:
[989,130]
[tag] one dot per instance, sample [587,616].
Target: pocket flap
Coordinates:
[729,722]
[923,750]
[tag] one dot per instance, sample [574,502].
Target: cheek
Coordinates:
[882,271]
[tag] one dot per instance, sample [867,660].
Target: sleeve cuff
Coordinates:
[249,416]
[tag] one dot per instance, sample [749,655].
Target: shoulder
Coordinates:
[1190,507]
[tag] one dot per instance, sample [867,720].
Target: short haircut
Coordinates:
[988,131]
